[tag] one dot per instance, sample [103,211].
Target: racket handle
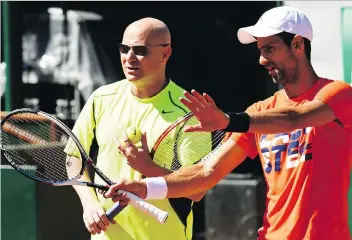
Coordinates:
[114,210]
[139,203]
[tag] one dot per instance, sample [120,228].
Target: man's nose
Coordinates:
[130,54]
[262,60]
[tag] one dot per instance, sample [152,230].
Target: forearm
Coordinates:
[203,176]
[154,170]
[278,120]
[274,121]
[86,194]
[189,181]
[267,121]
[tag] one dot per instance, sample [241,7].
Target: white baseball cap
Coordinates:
[277,20]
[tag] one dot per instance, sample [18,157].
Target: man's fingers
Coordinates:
[92,226]
[99,222]
[102,191]
[121,198]
[125,201]
[127,148]
[188,104]
[194,108]
[199,97]
[112,191]
[87,224]
[120,148]
[193,128]
[144,142]
[96,229]
[209,99]
[131,152]
[126,140]
[104,218]
[192,99]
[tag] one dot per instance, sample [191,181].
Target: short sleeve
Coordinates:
[338,95]
[85,125]
[247,140]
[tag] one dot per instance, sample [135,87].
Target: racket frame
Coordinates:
[169,129]
[84,157]
[178,122]
[160,215]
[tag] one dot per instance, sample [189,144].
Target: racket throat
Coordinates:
[94,185]
[79,183]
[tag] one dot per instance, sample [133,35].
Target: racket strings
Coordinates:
[45,142]
[201,148]
[178,148]
[37,151]
[36,154]
[38,144]
[31,150]
[22,163]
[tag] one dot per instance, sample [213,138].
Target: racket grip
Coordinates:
[139,203]
[114,210]
[146,207]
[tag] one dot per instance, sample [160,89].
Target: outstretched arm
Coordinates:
[192,179]
[277,120]
[314,113]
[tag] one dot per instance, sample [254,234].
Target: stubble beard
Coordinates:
[286,77]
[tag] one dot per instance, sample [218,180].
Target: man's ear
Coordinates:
[167,53]
[297,46]
[297,43]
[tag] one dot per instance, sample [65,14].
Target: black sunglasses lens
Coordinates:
[140,50]
[123,48]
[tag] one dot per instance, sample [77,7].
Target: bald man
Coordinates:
[146,99]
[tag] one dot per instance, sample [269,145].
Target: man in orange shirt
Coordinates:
[303,135]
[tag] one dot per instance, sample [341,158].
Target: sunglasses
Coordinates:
[139,50]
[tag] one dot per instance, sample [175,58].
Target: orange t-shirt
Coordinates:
[307,171]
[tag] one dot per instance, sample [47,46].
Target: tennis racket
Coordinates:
[175,148]
[186,148]
[44,149]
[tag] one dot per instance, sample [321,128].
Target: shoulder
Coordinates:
[172,97]
[174,91]
[335,84]
[175,88]
[330,89]
[266,103]
[111,89]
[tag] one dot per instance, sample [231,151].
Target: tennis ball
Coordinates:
[134,134]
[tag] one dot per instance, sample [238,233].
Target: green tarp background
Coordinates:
[346,30]
[346,24]
[18,206]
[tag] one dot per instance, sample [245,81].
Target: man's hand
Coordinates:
[94,218]
[210,117]
[138,158]
[138,188]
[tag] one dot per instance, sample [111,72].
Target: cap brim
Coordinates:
[247,34]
